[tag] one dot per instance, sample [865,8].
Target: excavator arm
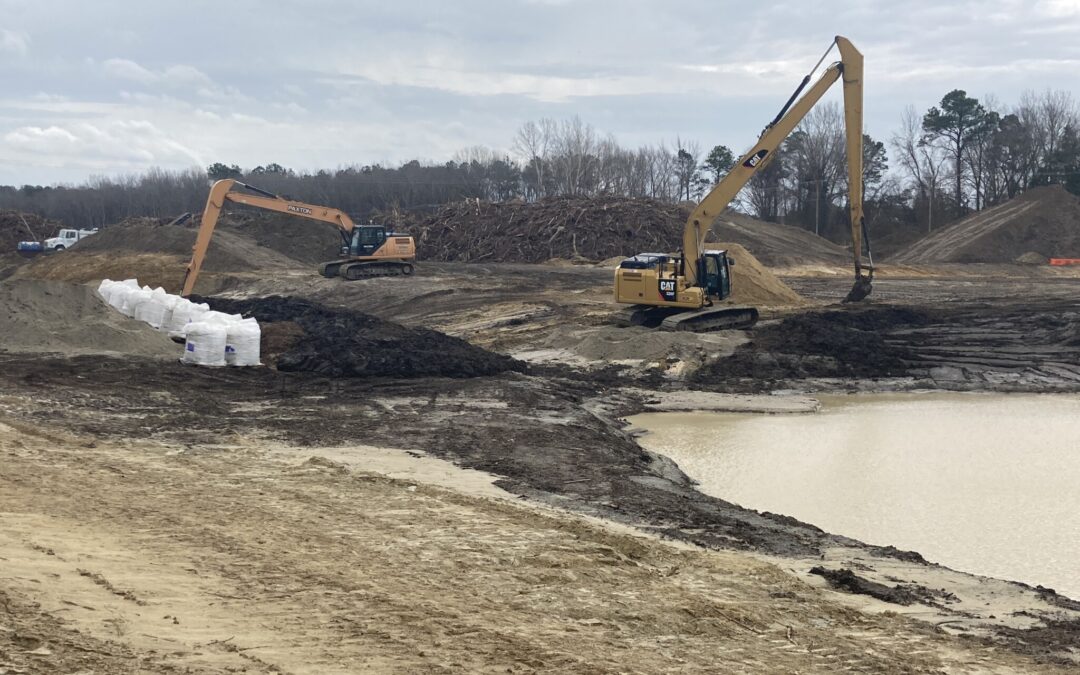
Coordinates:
[222,191]
[850,68]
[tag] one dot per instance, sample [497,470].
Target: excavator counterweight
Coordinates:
[685,287]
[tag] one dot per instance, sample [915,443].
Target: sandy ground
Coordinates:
[144,557]
[156,519]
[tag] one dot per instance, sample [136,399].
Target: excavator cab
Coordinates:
[366,239]
[715,274]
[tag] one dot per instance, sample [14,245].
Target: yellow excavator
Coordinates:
[679,291]
[366,251]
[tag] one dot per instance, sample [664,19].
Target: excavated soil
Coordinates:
[1025,346]
[753,284]
[775,244]
[309,241]
[52,316]
[343,343]
[228,251]
[156,254]
[1043,222]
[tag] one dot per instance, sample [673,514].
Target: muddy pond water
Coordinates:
[982,483]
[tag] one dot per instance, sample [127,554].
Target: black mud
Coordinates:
[1032,347]
[338,342]
[846,580]
[843,343]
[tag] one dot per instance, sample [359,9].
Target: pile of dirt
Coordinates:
[344,343]
[154,253]
[1042,222]
[16,226]
[847,343]
[52,316]
[753,284]
[778,245]
[309,241]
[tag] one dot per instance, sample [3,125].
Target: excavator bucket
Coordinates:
[861,289]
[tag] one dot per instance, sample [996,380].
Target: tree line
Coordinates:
[961,155]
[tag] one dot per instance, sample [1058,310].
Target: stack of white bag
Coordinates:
[210,338]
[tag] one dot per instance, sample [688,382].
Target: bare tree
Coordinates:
[924,164]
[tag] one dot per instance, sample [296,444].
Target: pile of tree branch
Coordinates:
[591,228]
[16,227]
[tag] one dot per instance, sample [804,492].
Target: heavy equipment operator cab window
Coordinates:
[716,276]
[368,238]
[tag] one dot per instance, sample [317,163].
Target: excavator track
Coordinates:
[356,270]
[700,321]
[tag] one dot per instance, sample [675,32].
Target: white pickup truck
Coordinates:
[66,238]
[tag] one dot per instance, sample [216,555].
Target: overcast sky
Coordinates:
[110,87]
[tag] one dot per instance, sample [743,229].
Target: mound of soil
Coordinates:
[1042,222]
[344,343]
[52,316]
[154,253]
[590,228]
[846,343]
[753,284]
[228,251]
[778,245]
[309,241]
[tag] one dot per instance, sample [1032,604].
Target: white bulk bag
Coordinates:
[121,291]
[205,344]
[185,312]
[242,343]
[152,310]
[132,301]
[105,288]
[170,304]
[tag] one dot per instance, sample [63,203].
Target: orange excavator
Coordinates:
[367,250]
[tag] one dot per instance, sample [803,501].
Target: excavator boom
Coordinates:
[388,254]
[850,68]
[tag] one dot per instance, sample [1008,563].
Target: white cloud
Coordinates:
[1059,8]
[116,144]
[129,70]
[14,42]
[179,75]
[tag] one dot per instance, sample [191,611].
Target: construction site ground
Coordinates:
[434,474]
[162,518]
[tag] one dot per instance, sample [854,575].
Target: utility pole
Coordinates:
[817,208]
[930,211]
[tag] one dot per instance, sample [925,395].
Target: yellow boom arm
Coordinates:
[850,67]
[222,192]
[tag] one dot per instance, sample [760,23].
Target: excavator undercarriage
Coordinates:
[710,318]
[351,270]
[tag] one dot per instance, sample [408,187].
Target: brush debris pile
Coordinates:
[16,226]
[593,228]
[309,337]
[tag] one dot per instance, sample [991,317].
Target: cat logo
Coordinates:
[755,159]
[668,291]
[300,209]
